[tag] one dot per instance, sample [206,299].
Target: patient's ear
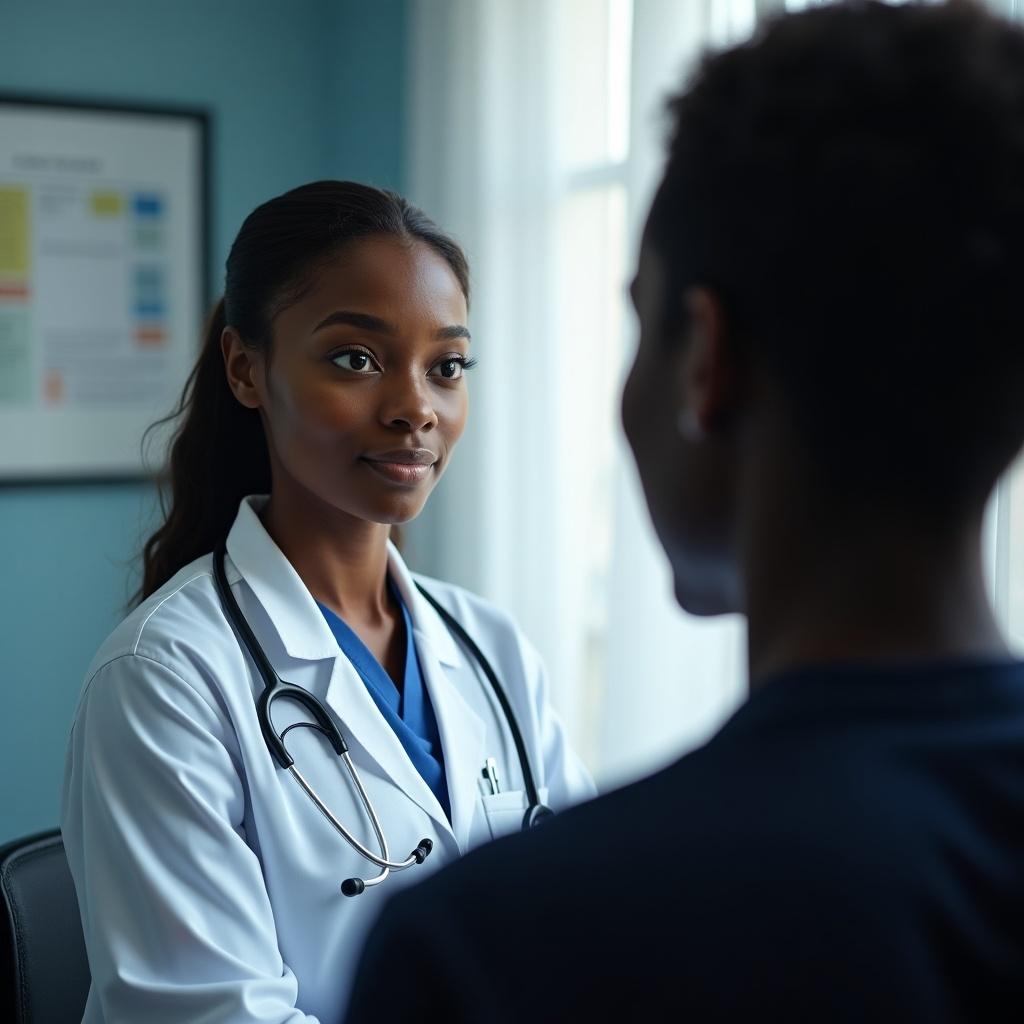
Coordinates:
[710,368]
[241,363]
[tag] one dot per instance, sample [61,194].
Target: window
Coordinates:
[536,138]
[592,251]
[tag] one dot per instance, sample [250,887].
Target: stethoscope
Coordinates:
[275,688]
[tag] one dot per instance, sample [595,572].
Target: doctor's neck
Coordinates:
[343,560]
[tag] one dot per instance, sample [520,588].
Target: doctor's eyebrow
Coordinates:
[453,333]
[363,320]
[368,322]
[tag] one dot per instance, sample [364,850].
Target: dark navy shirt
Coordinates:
[848,848]
[409,713]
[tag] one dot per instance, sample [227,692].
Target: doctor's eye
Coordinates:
[355,360]
[452,367]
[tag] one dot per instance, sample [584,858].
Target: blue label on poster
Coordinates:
[148,205]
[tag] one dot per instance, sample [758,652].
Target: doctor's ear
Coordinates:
[241,363]
[710,370]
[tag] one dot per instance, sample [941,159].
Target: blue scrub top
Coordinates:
[409,713]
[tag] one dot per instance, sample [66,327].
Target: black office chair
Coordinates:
[45,973]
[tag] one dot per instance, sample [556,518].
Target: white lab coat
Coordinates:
[207,880]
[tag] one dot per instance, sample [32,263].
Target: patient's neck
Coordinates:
[829,585]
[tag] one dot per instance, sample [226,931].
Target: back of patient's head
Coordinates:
[851,185]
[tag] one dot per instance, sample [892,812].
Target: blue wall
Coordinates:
[367,61]
[297,89]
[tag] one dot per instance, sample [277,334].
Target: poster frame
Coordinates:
[201,119]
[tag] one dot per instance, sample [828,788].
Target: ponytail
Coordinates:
[218,456]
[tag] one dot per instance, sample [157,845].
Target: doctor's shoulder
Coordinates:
[176,639]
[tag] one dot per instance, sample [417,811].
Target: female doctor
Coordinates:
[325,405]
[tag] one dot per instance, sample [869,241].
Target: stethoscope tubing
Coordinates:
[532,796]
[382,862]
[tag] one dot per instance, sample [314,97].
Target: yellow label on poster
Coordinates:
[106,204]
[14,231]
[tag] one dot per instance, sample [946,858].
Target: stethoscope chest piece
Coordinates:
[535,815]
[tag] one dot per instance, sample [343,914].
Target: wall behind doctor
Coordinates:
[297,90]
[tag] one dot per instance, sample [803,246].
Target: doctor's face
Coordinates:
[364,393]
[686,471]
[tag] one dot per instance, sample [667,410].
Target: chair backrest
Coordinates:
[45,973]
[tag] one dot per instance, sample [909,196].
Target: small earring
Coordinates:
[687,425]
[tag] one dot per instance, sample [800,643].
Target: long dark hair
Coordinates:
[219,452]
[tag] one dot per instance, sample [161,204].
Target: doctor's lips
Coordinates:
[402,465]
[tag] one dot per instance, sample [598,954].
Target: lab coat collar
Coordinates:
[426,622]
[299,624]
[301,627]
[463,737]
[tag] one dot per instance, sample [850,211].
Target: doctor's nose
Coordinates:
[408,407]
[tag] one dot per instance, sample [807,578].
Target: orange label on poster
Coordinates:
[54,386]
[16,290]
[150,335]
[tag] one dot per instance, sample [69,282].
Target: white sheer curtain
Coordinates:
[535,137]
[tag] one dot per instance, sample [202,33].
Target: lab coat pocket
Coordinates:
[504,811]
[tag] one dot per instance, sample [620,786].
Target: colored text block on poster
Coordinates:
[14,240]
[15,356]
[106,204]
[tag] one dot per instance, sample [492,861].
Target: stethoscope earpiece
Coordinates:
[355,886]
[352,886]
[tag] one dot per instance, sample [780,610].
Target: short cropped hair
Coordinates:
[851,183]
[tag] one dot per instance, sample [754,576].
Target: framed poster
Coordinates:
[103,243]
